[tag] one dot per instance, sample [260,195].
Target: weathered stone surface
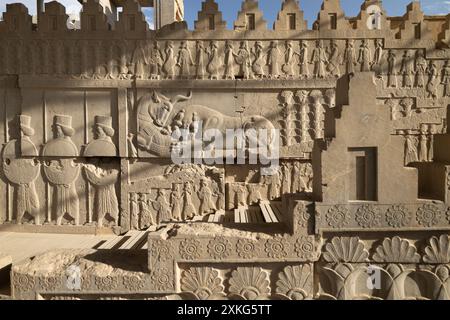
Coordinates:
[5,260]
[90,120]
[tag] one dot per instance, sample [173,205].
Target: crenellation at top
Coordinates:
[250,17]
[371,22]
[16,19]
[413,26]
[92,17]
[54,18]
[290,17]
[132,19]
[210,17]
[331,17]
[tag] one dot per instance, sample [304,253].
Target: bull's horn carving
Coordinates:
[181,98]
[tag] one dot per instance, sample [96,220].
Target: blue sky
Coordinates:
[270,8]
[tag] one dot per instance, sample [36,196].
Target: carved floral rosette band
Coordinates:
[360,193]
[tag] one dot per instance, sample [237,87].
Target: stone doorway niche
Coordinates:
[363,174]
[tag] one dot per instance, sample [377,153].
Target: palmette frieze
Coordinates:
[347,263]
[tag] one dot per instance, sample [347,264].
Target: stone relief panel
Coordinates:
[361,105]
[72,176]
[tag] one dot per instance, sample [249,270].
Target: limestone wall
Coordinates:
[360,103]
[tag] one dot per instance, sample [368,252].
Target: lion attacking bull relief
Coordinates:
[158,117]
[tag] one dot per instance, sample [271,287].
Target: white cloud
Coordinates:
[148,12]
[440,7]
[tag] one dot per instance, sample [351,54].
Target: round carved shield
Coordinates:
[19,171]
[60,147]
[100,148]
[61,171]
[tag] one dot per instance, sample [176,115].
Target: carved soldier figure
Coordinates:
[124,61]
[184,60]
[319,114]
[364,57]
[169,63]
[175,200]
[334,60]
[156,61]
[446,78]
[407,69]
[86,71]
[162,207]
[378,57]
[302,96]
[146,215]
[21,68]
[392,72]
[200,60]
[289,118]
[99,69]
[243,59]
[34,57]
[205,195]
[303,60]
[59,57]
[139,60]
[189,210]
[112,65]
[432,86]
[221,193]
[319,60]
[134,211]
[304,178]
[45,67]
[240,195]
[103,176]
[229,60]
[421,69]
[214,62]
[289,59]
[432,132]
[275,185]
[296,177]
[22,172]
[74,63]
[423,145]
[273,60]
[309,175]
[349,57]
[286,171]
[258,63]
[410,148]
[61,170]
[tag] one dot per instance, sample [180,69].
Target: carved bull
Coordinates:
[156,114]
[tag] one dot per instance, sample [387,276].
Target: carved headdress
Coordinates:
[65,122]
[105,122]
[25,125]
